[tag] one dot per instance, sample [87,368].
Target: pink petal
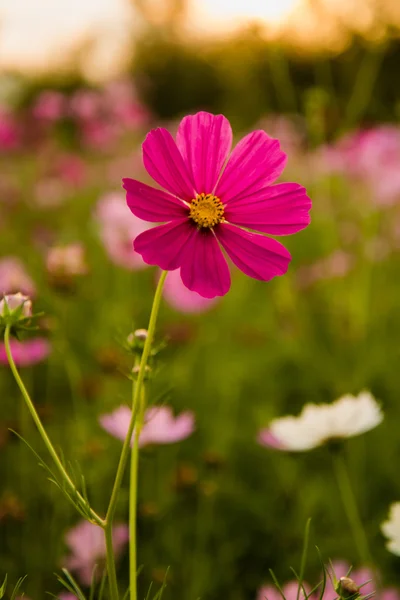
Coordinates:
[256,255]
[165,165]
[204,269]
[255,162]
[278,209]
[165,245]
[267,438]
[153,205]
[204,141]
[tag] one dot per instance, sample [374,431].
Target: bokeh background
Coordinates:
[80,85]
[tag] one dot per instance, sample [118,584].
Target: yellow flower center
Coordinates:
[206,210]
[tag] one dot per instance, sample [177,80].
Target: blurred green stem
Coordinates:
[60,467]
[351,508]
[136,395]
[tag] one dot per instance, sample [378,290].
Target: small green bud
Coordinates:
[136,341]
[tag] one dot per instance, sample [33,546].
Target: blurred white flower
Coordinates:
[391,529]
[318,423]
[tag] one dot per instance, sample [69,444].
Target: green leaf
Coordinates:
[17,587]
[3,587]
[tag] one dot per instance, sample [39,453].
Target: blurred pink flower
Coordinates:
[117,229]
[372,156]
[181,298]
[67,596]
[270,592]
[160,426]
[71,170]
[336,265]
[10,132]
[26,353]
[49,106]
[123,104]
[85,104]
[14,278]
[67,260]
[99,134]
[87,545]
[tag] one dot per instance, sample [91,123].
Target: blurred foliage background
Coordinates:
[218,509]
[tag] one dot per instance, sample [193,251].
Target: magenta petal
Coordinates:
[204,141]
[277,209]
[204,269]
[255,162]
[257,256]
[153,205]
[164,245]
[164,163]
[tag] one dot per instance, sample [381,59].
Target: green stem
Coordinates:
[60,467]
[133,484]
[111,570]
[135,407]
[351,509]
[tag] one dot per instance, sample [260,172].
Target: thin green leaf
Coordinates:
[322,592]
[4,584]
[70,584]
[17,587]
[102,585]
[159,594]
[276,582]
[149,591]
[301,586]
[304,557]
[126,595]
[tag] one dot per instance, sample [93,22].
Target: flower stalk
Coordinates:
[79,500]
[136,395]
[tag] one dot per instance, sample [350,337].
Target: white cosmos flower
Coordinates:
[319,423]
[391,529]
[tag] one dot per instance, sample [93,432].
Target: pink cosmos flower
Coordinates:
[181,298]
[67,596]
[14,278]
[117,230]
[87,545]
[160,426]
[26,353]
[212,198]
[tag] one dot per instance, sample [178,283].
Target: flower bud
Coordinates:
[15,310]
[347,588]
[11,303]
[137,340]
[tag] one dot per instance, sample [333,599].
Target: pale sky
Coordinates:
[37,33]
